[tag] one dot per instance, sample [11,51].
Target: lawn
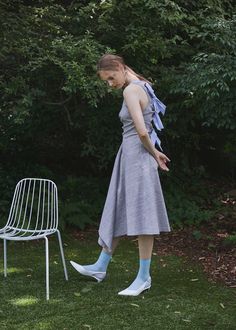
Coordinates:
[180,297]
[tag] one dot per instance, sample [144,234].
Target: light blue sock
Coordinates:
[143,274]
[101,264]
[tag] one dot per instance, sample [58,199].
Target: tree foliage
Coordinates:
[54,110]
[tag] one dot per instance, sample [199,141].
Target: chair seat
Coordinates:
[18,234]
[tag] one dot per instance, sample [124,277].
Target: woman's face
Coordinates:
[114,78]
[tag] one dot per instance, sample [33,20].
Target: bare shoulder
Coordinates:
[132,88]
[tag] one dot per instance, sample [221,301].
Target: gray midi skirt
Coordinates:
[134,203]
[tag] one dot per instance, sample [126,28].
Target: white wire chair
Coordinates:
[33,215]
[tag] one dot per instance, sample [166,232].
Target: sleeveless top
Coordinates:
[150,114]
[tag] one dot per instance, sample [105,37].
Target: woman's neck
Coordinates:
[129,78]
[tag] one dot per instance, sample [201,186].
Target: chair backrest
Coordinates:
[34,206]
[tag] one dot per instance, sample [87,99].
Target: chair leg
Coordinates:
[47,267]
[62,255]
[5,257]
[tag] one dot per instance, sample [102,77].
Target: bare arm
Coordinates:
[132,99]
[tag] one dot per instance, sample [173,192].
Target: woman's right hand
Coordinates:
[162,159]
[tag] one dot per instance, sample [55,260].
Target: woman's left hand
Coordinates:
[162,159]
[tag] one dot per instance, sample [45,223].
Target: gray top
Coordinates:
[128,125]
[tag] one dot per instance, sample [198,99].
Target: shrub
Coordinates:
[81,201]
[230,241]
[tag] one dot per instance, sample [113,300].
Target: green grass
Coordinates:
[176,300]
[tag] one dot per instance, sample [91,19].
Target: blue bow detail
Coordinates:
[158,107]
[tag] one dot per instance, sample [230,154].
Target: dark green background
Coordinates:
[57,120]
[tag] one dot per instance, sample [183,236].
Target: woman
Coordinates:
[134,203]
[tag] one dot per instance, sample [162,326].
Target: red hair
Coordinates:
[112,62]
